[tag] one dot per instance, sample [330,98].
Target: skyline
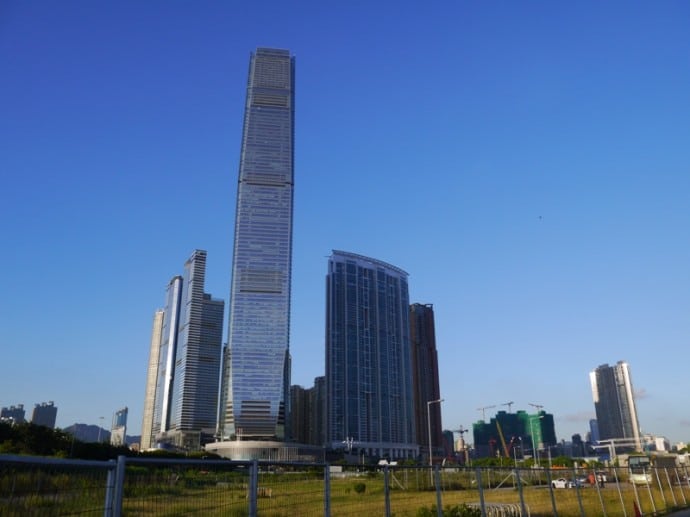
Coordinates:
[526,164]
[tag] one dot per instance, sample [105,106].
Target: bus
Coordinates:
[639,468]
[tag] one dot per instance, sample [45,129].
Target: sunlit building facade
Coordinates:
[369,397]
[151,380]
[188,370]
[614,403]
[256,363]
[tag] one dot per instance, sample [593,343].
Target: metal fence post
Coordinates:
[478,476]
[109,489]
[549,480]
[253,487]
[439,503]
[327,491]
[119,490]
[386,491]
[522,495]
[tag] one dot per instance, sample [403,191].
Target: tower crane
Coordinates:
[509,404]
[483,410]
[506,448]
[538,407]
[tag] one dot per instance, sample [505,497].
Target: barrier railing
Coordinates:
[145,486]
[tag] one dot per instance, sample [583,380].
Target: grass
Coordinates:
[176,492]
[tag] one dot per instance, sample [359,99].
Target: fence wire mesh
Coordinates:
[137,486]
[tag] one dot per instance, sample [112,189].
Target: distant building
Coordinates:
[425,381]
[118,430]
[614,403]
[300,411]
[530,434]
[369,395]
[317,418]
[593,431]
[44,414]
[14,414]
[147,437]
[188,369]
[656,443]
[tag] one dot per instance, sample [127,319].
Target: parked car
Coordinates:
[560,483]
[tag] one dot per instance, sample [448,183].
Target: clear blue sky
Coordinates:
[526,162]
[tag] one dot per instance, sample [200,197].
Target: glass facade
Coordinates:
[368,357]
[425,380]
[256,361]
[614,403]
[189,355]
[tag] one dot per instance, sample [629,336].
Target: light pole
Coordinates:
[428,422]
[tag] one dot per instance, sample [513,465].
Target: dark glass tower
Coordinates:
[256,369]
[368,357]
[425,381]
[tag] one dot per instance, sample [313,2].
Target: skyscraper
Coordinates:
[45,414]
[118,430]
[368,357]
[614,403]
[151,379]
[425,381]
[14,414]
[188,367]
[256,367]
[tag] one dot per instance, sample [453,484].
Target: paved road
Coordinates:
[682,513]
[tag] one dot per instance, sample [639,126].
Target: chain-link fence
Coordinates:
[170,487]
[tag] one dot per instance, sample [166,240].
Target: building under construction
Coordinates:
[514,435]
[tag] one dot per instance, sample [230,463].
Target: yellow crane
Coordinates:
[506,450]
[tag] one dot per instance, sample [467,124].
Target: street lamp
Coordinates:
[428,422]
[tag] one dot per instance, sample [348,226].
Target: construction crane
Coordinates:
[509,404]
[483,410]
[538,407]
[506,447]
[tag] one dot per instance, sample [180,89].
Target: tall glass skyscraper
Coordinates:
[256,368]
[368,358]
[151,381]
[189,354]
[425,379]
[614,403]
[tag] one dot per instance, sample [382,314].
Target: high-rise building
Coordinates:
[14,414]
[256,367]
[368,357]
[118,430]
[505,432]
[188,369]
[147,438]
[300,411]
[317,420]
[614,403]
[45,414]
[425,383]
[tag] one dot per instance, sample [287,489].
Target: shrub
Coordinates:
[360,488]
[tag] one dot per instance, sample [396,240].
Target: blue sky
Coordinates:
[526,162]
